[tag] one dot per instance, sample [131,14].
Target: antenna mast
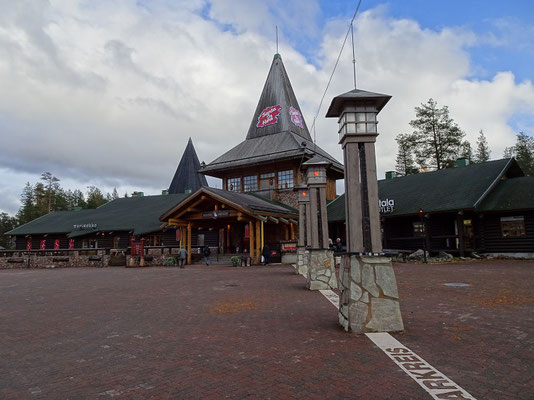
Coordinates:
[276,39]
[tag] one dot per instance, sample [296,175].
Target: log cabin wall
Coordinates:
[492,240]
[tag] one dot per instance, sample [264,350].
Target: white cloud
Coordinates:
[108,92]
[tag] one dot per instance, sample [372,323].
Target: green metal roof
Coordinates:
[137,214]
[460,188]
[510,194]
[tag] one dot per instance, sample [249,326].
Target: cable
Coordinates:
[334,70]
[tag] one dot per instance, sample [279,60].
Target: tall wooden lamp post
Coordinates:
[304,230]
[369,300]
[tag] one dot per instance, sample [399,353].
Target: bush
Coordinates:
[170,261]
[236,261]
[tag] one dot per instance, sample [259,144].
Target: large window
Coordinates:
[418,229]
[250,183]
[513,226]
[285,179]
[234,184]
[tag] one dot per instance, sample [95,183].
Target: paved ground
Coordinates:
[221,332]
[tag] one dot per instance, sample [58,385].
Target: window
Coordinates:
[250,183]
[234,184]
[267,181]
[418,229]
[513,226]
[285,179]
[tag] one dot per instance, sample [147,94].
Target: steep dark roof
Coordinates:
[137,214]
[277,91]
[460,188]
[279,140]
[510,194]
[187,178]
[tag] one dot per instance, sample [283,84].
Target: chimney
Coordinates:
[462,162]
[164,192]
[138,194]
[391,175]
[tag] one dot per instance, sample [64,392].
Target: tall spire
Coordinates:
[278,109]
[187,179]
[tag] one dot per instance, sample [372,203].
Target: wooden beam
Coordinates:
[188,243]
[202,198]
[176,222]
[257,255]
[251,240]
[292,230]
[285,221]
[275,220]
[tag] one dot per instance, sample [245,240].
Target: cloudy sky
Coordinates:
[107,92]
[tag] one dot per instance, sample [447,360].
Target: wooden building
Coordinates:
[486,207]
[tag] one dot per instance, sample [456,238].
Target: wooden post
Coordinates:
[324,218]
[372,192]
[189,243]
[313,218]
[292,230]
[251,240]
[257,256]
[460,227]
[286,233]
[353,199]
[262,236]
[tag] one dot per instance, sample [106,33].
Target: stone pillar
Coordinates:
[304,230]
[321,266]
[369,300]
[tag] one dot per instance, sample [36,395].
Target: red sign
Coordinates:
[29,244]
[43,244]
[56,244]
[289,246]
[296,117]
[178,235]
[71,243]
[138,248]
[269,116]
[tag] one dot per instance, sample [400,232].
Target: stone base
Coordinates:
[321,270]
[303,258]
[369,300]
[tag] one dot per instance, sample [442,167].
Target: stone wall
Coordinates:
[369,300]
[321,270]
[288,196]
[75,259]
[303,257]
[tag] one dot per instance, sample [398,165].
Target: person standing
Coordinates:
[206,253]
[182,255]
[266,253]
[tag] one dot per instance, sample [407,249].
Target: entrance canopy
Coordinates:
[229,212]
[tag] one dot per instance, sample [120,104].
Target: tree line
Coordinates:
[47,195]
[437,142]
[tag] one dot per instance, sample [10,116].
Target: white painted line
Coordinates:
[429,378]
[331,296]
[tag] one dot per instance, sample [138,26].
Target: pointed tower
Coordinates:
[187,179]
[269,160]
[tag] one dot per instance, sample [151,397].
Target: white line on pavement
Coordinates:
[429,378]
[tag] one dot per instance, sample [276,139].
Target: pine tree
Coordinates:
[405,163]
[114,194]
[436,137]
[95,197]
[27,211]
[466,151]
[6,224]
[483,151]
[524,153]
[52,187]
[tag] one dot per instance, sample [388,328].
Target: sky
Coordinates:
[107,92]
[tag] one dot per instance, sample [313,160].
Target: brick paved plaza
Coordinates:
[221,332]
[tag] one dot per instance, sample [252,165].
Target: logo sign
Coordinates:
[82,227]
[296,117]
[43,244]
[71,243]
[216,214]
[268,116]
[386,206]
[56,244]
